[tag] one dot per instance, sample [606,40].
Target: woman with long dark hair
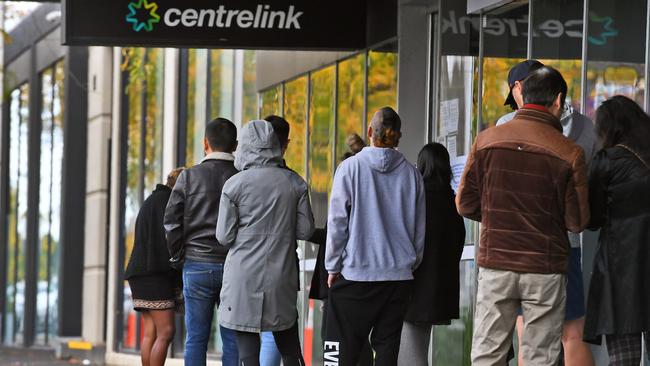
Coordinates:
[618,306]
[436,287]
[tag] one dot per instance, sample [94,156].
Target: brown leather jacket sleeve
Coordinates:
[576,209]
[468,199]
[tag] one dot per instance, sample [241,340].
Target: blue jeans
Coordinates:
[201,288]
[269,353]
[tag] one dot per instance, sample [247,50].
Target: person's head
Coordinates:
[220,136]
[384,129]
[516,76]
[173,176]
[546,87]
[620,120]
[281,129]
[433,163]
[355,143]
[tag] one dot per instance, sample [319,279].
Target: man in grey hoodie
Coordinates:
[375,240]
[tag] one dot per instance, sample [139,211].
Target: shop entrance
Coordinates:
[591,43]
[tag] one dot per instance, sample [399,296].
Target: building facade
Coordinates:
[88,132]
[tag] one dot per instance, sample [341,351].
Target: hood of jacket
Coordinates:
[383,160]
[258,146]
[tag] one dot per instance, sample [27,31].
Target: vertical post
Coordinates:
[585,50]
[481,50]
[33,180]
[366,62]
[73,204]
[646,97]
[170,107]
[183,78]
[238,89]
[531,29]
[335,123]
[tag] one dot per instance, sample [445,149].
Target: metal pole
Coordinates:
[531,13]
[585,48]
[481,49]
[646,96]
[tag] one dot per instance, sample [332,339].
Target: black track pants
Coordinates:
[357,309]
[288,343]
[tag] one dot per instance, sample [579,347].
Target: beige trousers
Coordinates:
[500,294]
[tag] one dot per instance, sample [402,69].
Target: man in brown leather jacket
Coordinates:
[526,183]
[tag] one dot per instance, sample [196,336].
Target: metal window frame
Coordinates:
[585,58]
[183,79]
[647,68]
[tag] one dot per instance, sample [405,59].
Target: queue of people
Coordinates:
[387,269]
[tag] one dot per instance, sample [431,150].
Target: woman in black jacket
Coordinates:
[436,287]
[618,305]
[152,281]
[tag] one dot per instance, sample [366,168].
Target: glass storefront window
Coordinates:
[503,50]
[197,113]
[321,125]
[49,202]
[14,317]
[295,112]
[249,107]
[143,168]
[616,51]
[271,102]
[222,81]
[382,81]
[557,41]
[350,102]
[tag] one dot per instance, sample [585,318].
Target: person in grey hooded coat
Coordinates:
[263,210]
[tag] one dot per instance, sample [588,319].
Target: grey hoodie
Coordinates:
[376,223]
[263,210]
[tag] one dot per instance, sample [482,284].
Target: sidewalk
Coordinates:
[28,357]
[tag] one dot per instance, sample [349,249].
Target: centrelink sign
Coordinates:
[281,24]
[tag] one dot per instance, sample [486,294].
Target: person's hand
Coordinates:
[332,278]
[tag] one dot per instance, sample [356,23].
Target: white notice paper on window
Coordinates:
[457,169]
[449,115]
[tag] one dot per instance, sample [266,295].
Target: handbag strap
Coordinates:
[635,154]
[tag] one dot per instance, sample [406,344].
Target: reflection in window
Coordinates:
[350,102]
[271,102]
[144,107]
[562,51]
[49,202]
[495,88]
[616,52]
[14,317]
[295,112]
[382,81]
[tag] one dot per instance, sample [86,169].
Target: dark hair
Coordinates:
[433,163]
[619,120]
[221,135]
[542,87]
[280,127]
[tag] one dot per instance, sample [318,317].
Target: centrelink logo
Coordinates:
[142,15]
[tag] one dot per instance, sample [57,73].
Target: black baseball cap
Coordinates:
[518,73]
